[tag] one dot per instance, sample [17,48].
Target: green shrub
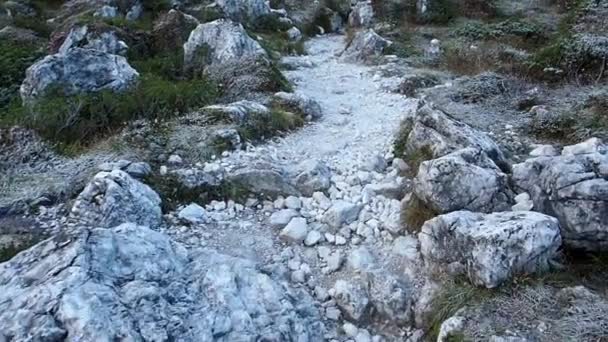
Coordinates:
[453,296]
[15,58]
[77,118]
[167,66]
[36,24]
[580,57]
[392,11]
[400,49]
[174,193]
[262,127]
[322,18]
[342,7]
[581,122]
[9,251]
[405,128]
[477,30]
[269,23]
[278,43]
[276,81]
[209,13]
[439,12]
[156,6]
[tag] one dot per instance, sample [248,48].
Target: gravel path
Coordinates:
[358,125]
[359,119]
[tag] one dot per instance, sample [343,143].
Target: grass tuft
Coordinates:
[415,213]
[261,127]
[454,295]
[174,193]
[8,252]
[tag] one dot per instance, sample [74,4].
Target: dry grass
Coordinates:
[454,295]
[473,59]
[415,213]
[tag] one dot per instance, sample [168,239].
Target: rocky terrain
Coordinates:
[244,170]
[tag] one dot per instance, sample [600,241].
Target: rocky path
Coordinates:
[323,239]
[359,117]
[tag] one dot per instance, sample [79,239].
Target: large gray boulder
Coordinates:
[220,42]
[83,37]
[262,179]
[78,71]
[132,283]
[113,198]
[465,179]
[244,10]
[237,112]
[375,294]
[299,103]
[362,14]
[365,45]
[341,213]
[171,30]
[314,175]
[433,130]
[352,297]
[574,188]
[491,248]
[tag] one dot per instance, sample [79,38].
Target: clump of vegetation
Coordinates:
[501,46]
[209,13]
[477,30]
[487,56]
[174,193]
[556,126]
[410,85]
[582,55]
[392,11]
[401,47]
[269,23]
[324,15]
[400,143]
[415,213]
[71,118]
[589,119]
[260,127]
[36,24]
[321,19]
[454,295]
[15,58]
[9,251]
[156,6]
[278,44]
[417,157]
[439,12]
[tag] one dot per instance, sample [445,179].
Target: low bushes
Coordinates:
[7,252]
[478,30]
[71,119]
[453,296]
[174,193]
[278,43]
[582,57]
[581,122]
[262,127]
[15,58]
[269,23]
